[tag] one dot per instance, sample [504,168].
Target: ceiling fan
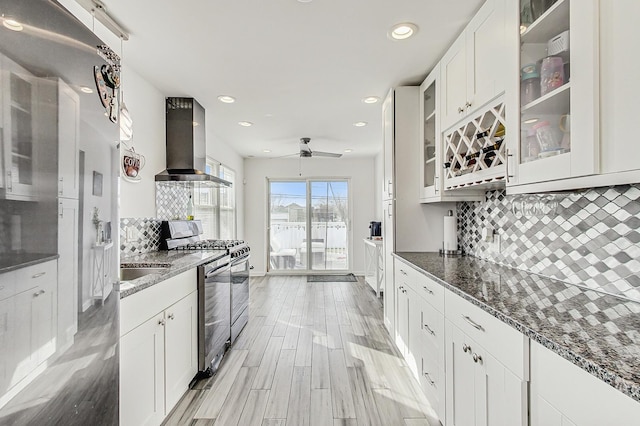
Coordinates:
[305,150]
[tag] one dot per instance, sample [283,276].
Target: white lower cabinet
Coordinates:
[181,348]
[480,389]
[142,373]
[563,394]
[28,325]
[158,356]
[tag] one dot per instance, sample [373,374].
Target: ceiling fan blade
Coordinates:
[284,156]
[326,154]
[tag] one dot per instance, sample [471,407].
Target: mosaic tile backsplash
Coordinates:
[589,238]
[172,199]
[145,233]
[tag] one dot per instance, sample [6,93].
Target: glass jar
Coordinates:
[551,74]
[546,137]
[530,147]
[530,84]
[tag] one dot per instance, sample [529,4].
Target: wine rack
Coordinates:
[475,153]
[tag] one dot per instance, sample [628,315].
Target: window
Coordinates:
[216,207]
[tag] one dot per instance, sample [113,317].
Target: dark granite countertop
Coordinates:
[176,262]
[10,262]
[595,331]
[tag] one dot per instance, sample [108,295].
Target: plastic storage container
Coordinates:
[529,84]
[551,74]
[547,139]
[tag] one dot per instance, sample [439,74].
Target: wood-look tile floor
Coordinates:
[312,354]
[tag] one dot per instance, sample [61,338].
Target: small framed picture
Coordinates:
[97,184]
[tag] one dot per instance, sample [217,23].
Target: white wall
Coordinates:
[146,106]
[363,206]
[378,172]
[224,153]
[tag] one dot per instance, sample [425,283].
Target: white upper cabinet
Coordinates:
[472,70]
[387,143]
[559,95]
[68,138]
[619,35]
[431,149]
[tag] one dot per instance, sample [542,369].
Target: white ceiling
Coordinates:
[296,69]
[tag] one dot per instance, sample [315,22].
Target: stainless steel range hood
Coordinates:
[186,144]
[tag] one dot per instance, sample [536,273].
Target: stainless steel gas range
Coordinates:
[223,289]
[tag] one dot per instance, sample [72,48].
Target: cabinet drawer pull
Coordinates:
[431,382]
[433,333]
[38,293]
[38,275]
[460,110]
[466,348]
[171,316]
[403,272]
[162,322]
[389,187]
[467,105]
[427,289]
[477,358]
[473,323]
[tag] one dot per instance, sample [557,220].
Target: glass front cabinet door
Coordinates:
[558,96]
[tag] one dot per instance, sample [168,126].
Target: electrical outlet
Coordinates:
[130,234]
[495,244]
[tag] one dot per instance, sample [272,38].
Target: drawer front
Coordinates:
[143,305]
[8,284]
[43,275]
[432,383]
[430,290]
[425,287]
[505,343]
[433,334]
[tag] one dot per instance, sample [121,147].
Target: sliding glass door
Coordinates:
[309,225]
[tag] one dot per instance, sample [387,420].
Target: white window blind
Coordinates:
[216,207]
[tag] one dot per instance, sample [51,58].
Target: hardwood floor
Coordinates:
[312,354]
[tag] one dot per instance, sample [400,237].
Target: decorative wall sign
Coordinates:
[107,78]
[97,184]
[131,163]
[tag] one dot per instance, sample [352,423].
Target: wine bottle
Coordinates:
[190,209]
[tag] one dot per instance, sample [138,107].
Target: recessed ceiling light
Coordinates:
[360,123]
[304,1]
[12,24]
[266,150]
[403,31]
[226,99]
[85,89]
[348,150]
[370,99]
[245,123]
[530,121]
[268,115]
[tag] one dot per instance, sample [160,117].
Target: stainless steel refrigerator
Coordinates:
[59,299]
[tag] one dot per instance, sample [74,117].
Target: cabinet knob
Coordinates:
[171,316]
[477,358]
[38,275]
[460,110]
[466,348]
[467,104]
[403,272]
[162,322]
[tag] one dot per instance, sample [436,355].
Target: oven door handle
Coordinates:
[217,271]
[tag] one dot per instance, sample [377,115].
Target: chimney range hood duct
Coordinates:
[186,144]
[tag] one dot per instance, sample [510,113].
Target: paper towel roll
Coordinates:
[450,228]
